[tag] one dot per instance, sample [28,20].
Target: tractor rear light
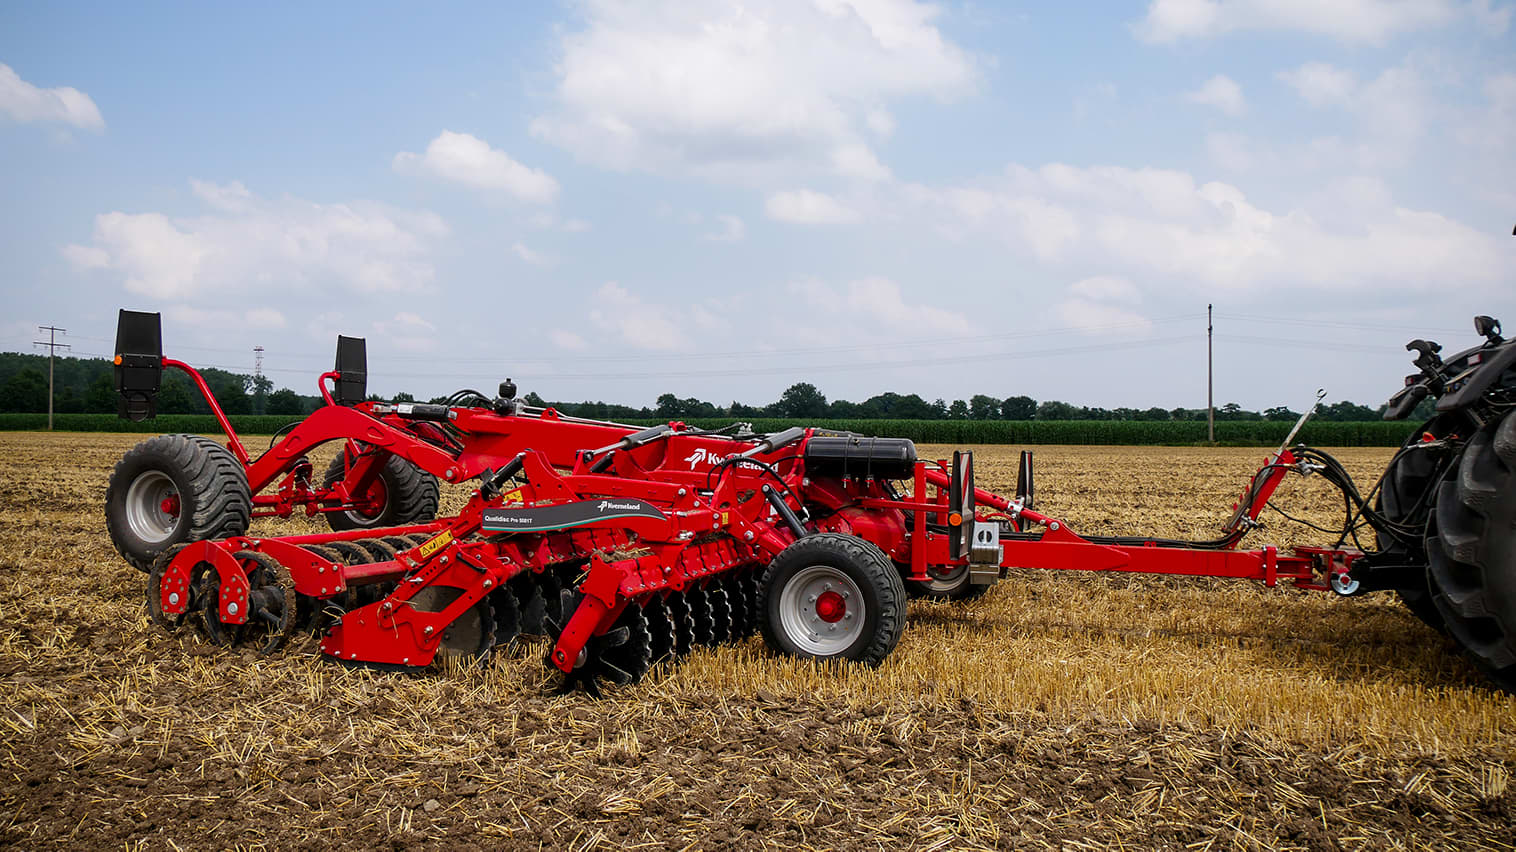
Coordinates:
[955,519]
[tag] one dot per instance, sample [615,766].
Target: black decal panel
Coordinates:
[564,515]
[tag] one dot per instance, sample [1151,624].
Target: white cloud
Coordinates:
[1320,84]
[1360,21]
[1165,225]
[1221,92]
[529,256]
[567,340]
[857,161]
[731,229]
[25,102]
[633,321]
[259,318]
[1103,304]
[732,89]
[877,306]
[808,207]
[469,160]
[406,332]
[250,244]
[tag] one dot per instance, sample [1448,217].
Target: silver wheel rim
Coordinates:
[144,506]
[805,626]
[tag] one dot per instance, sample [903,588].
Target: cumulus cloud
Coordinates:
[245,243]
[1358,21]
[635,322]
[730,229]
[25,102]
[528,255]
[1221,92]
[808,207]
[469,160]
[1166,224]
[1103,304]
[729,89]
[878,305]
[1320,84]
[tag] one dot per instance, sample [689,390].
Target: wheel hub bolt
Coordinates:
[232,607]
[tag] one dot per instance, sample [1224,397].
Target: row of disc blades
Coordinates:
[649,631]
[658,628]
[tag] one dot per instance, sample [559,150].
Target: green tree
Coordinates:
[174,398]
[403,397]
[101,396]
[801,399]
[284,401]
[1055,410]
[959,410]
[25,391]
[983,407]
[1018,408]
[1280,412]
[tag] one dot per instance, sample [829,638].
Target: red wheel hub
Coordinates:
[831,607]
[170,505]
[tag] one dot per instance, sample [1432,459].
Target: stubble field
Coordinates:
[1061,711]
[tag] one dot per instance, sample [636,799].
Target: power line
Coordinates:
[52,345]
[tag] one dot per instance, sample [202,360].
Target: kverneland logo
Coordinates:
[622,507]
[704,456]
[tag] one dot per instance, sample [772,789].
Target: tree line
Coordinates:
[87,385]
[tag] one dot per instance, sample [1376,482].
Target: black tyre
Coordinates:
[832,597]
[401,494]
[1405,498]
[172,489]
[1471,550]
[952,586]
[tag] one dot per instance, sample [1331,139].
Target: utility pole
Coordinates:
[52,345]
[258,400]
[1210,398]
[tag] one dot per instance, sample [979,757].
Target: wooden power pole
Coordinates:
[1210,398]
[52,345]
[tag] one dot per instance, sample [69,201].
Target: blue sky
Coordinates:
[617,200]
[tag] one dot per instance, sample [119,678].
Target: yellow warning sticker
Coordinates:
[725,518]
[436,543]
[512,496]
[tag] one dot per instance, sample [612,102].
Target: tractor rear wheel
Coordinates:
[172,489]
[1404,498]
[1471,550]
[832,597]
[401,494]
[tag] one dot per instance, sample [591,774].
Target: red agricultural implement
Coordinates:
[627,546]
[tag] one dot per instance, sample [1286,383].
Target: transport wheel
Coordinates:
[832,597]
[1404,498]
[1471,550]
[953,585]
[401,494]
[172,489]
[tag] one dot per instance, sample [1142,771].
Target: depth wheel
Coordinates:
[833,597]
[953,585]
[400,494]
[172,489]
[1471,550]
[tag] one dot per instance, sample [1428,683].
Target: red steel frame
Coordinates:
[710,522]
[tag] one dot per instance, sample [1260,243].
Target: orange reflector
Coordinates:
[117,360]
[955,519]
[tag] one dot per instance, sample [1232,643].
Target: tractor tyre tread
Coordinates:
[1471,543]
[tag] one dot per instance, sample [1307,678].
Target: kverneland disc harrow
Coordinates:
[625,547]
